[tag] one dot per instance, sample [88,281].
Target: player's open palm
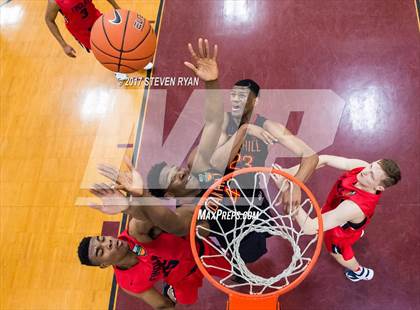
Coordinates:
[204,64]
[129,181]
[291,199]
[112,200]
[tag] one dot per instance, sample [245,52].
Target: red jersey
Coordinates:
[79,15]
[344,236]
[167,257]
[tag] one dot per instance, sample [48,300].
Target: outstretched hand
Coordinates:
[129,181]
[112,200]
[261,134]
[290,196]
[205,65]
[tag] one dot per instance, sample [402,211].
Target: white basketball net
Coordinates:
[275,223]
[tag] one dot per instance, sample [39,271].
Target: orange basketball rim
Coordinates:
[265,301]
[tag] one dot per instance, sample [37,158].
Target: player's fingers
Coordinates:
[266,139]
[108,171]
[108,175]
[192,52]
[275,176]
[191,66]
[206,48]
[269,135]
[215,51]
[277,166]
[201,48]
[107,188]
[120,188]
[96,190]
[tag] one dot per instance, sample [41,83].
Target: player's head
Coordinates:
[166,180]
[379,175]
[243,97]
[102,251]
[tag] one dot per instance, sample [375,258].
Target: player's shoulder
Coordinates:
[139,230]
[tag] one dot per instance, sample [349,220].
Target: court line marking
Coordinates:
[114,288]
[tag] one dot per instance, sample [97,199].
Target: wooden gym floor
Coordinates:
[52,111]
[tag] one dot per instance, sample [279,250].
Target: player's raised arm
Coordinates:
[114,4]
[143,209]
[50,16]
[227,152]
[309,159]
[341,163]
[205,67]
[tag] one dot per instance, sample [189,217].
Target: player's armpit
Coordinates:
[153,298]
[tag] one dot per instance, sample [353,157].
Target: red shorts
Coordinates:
[186,291]
[340,241]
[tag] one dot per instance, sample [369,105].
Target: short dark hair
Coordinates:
[392,171]
[83,252]
[252,85]
[153,184]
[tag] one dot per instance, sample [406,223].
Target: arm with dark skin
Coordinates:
[174,222]
[232,147]
[147,214]
[114,4]
[206,69]
[141,206]
[50,16]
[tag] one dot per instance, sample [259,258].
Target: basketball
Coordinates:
[123,41]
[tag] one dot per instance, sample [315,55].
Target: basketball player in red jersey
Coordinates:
[79,15]
[141,260]
[142,254]
[349,207]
